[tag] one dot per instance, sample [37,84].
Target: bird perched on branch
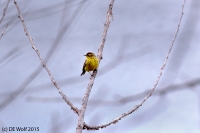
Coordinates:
[91,63]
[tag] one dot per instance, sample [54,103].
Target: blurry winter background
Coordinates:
[136,46]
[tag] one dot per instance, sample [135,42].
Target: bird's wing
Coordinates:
[83,70]
[84,65]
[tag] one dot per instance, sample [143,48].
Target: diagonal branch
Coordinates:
[4,11]
[109,15]
[42,61]
[4,31]
[151,91]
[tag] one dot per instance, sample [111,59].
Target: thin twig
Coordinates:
[42,61]
[4,11]
[151,91]
[109,15]
[4,30]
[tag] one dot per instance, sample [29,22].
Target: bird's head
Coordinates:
[90,55]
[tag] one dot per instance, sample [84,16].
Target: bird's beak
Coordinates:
[84,55]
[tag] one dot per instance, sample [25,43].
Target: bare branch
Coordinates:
[4,11]
[4,31]
[42,61]
[151,91]
[3,15]
[79,127]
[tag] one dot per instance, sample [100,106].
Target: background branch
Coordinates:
[123,100]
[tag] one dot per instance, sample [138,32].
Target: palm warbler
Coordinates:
[91,63]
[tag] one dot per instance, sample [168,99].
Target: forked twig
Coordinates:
[42,61]
[151,91]
[80,125]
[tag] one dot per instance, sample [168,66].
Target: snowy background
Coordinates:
[136,46]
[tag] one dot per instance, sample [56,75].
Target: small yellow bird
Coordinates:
[91,63]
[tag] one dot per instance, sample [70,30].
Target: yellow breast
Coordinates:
[91,64]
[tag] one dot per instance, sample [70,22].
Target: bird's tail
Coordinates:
[82,73]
